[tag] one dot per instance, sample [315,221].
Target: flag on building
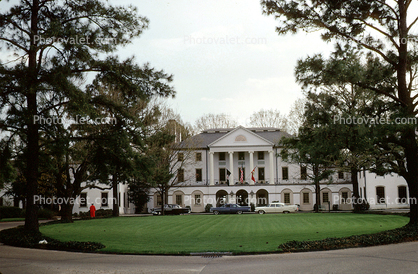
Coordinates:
[252,175]
[227,175]
[241,178]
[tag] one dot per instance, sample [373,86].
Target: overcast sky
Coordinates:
[225,56]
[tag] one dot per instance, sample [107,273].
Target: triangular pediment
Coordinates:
[240,137]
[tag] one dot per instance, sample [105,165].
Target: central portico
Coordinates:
[241,149]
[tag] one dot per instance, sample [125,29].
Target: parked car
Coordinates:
[230,208]
[170,209]
[276,208]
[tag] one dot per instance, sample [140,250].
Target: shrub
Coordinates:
[102,213]
[84,214]
[361,205]
[208,207]
[46,214]
[20,237]
[403,234]
[10,212]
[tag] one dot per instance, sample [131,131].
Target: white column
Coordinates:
[232,198]
[271,181]
[211,170]
[231,168]
[251,165]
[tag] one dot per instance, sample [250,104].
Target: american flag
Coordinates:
[252,175]
[241,178]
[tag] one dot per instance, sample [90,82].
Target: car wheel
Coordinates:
[261,212]
[216,212]
[285,212]
[239,212]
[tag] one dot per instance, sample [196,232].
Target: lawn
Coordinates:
[217,233]
[11,219]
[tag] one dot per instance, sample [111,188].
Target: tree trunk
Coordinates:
[317,195]
[162,202]
[164,199]
[31,219]
[67,212]
[317,189]
[356,194]
[408,135]
[413,203]
[115,196]
[411,152]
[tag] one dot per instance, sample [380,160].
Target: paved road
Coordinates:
[398,258]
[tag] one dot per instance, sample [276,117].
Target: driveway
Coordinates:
[397,258]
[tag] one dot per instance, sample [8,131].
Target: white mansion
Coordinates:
[240,165]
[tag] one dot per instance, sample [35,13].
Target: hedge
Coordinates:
[403,234]
[20,237]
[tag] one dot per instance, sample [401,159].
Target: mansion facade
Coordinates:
[241,165]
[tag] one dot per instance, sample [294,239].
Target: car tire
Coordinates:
[285,212]
[261,212]
[216,212]
[239,212]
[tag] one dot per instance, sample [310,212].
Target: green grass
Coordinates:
[12,219]
[17,219]
[223,233]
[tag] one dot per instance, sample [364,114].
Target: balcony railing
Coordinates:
[276,181]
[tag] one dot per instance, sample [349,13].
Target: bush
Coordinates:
[84,214]
[103,213]
[99,213]
[20,237]
[208,207]
[361,205]
[403,234]
[46,214]
[10,212]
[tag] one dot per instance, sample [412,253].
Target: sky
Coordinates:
[225,56]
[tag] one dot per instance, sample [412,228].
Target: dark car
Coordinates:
[170,209]
[230,208]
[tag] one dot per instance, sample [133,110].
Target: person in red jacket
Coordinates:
[92,211]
